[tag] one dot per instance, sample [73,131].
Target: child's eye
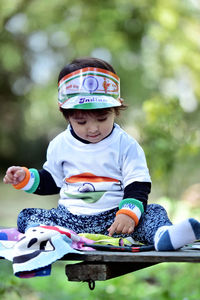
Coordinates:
[102,119]
[81,122]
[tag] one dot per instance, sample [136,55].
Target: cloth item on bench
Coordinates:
[101,239]
[34,252]
[10,234]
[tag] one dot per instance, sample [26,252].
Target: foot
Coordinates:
[169,238]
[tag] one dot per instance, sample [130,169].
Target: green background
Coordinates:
[154,47]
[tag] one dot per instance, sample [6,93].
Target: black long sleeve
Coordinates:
[139,191]
[47,184]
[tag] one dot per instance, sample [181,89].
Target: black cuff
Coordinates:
[139,191]
[47,184]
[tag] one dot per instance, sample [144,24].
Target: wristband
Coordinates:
[24,182]
[30,183]
[130,214]
[131,207]
[132,201]
[36,181]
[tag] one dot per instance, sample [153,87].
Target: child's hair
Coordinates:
[80,63]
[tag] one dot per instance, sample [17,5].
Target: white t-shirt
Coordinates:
[92,177]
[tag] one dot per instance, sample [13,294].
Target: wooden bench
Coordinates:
[103,265]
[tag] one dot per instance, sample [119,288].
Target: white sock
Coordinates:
[173,237]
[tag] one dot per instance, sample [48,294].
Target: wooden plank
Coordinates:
[99,265]
[88,271]
[148,257]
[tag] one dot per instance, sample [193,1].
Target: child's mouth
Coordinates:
[94,136]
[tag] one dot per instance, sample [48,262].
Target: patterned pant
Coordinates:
[154,217]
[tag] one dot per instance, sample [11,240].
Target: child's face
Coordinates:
[92,128]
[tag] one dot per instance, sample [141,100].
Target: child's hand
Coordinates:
[14,175]
[122,224]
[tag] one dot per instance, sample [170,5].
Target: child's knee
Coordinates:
[22,220]
[157,214]
[155,208]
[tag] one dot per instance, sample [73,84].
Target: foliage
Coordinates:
[163,282]
[154,47]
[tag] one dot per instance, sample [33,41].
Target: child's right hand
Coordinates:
[14,175]
[123,224]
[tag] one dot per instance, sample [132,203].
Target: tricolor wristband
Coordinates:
[31,181]
[25,181]
[131,207]
[34,174]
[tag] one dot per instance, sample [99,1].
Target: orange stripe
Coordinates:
[89,177]
[88,69]
[128,213]
[24,182]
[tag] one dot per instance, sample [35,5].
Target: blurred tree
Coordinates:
[154,47]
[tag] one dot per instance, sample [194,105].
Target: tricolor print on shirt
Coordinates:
[89,187]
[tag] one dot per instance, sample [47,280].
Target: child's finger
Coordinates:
[11,171]
[18,173]
[115,227]
[14,175]
[6,179]
[131,229]
[9,175]
[111,229]
[19,176]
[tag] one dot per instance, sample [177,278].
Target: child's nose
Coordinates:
[93,127]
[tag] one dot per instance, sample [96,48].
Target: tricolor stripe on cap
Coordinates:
[89,88]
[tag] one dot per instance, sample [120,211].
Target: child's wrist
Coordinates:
[129,214]
[132,208]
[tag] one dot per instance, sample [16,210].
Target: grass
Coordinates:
[166,281]
[13,201]
[163,282]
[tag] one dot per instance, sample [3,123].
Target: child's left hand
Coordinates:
[122,224]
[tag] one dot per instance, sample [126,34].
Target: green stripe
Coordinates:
[92,94]
[92,105]
[132,201]
[89,197]
[36,182]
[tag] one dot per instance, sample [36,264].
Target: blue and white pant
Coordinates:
[154,217]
